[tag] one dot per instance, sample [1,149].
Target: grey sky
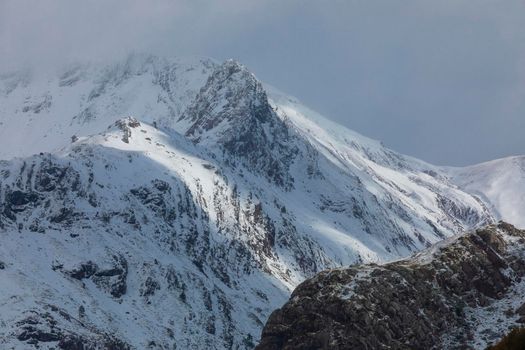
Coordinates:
[440,80]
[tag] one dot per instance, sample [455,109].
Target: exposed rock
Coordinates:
[75,342]
[232,111]
[111,280]
[149,286]
[430,301]
[125,125]
[84,270]
[55,327]
[38,328]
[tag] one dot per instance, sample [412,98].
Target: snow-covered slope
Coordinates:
[41,112]
[142,239]
[499,182]
[190,222]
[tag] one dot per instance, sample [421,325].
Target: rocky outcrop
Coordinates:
[52,326]
[125,126]
[458,294]
[233,112]
[111,280]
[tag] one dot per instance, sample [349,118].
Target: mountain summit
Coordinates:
[232,111]
[186,185]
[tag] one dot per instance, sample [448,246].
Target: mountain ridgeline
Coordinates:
[233,111]
[175,203]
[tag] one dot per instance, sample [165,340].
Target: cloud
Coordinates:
[441,80]
[36,32]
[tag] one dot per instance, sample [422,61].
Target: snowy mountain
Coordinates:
[464,293]
[84,99]
[499,182]
[160,203]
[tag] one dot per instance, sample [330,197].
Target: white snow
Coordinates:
[501,183]
[361,203]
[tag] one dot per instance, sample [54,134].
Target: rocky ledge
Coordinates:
[466,292]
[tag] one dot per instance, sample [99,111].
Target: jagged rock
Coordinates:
[17,199]
[149,287]
[85,270]
[55,327]
[112,280]
[430,301]
[234,102]
[38,328]
[125,125]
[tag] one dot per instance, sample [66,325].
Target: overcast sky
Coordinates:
[440,80]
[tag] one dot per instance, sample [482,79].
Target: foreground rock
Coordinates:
[466,292]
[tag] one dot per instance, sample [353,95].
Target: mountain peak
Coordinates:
[232,93]
[233,112]
[125,125]
[232,66]
[501,182]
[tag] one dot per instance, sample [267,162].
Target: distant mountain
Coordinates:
[176,202]
[501,183]
[464,293]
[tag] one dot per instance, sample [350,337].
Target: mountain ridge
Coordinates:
[164,210]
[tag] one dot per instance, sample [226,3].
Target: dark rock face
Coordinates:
[125,125]
[18,201]
[33,329]
[158,199]
[37,184]
[72,342]
[425,302]
[149,287]
[111,280]
[52,326]
[232,110]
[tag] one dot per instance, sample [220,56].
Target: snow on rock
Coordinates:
[208,198]
[41,112]
[232,111]
[125,231]
[501,183]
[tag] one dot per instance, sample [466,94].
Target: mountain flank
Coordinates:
[464,293]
